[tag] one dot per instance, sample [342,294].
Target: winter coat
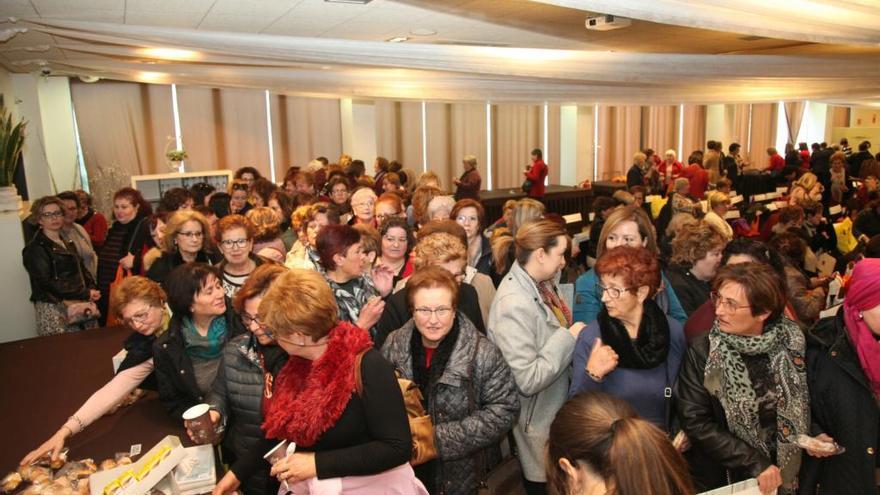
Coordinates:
[57,273]
[538,350]
[165,264]
[475,366]
[469,185]
[844,408]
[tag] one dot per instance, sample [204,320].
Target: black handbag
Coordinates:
[527,186]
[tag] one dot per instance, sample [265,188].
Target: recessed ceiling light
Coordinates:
[170,53]
[422,32]
[397,39]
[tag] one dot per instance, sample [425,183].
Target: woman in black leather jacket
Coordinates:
[58,276]
[742,395]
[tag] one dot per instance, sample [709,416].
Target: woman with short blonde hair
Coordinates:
[719,203]
[187,239]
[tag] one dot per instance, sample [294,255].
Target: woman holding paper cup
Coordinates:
[313,401]
[741,394]
[843,368]
[139,303]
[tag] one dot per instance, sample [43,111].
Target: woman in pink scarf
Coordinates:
[843,370]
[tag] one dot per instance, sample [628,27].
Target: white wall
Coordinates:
[56,112]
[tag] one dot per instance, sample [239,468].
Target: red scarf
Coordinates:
[862,294]
[310,396]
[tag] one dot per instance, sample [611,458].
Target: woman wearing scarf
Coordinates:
[741,393]
[313,400]
[843,366]
[532,326]
[633,350]
[187,356]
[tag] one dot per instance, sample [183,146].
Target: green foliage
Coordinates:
[11,141]
[176,155]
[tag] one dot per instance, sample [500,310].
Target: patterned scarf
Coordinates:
[209,346]
[727,379]
[550,296]
[351,297]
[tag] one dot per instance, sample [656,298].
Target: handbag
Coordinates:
[506,478]
[420,424]
[527,186]
[121,273]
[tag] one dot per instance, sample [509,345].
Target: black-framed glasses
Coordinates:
[231,243]
[240,187]
[192,235]
[613,292]
[726,302]
[426,313]
[247,320]
[52,214]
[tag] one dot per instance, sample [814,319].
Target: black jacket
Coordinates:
[484,263]
[716,453]
[57,273]
[166,263]
[178,390]
[397,312]
[635,177]
[691,292]
[844,408]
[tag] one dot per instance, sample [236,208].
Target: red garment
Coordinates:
[699,179]
[429,355]
[777,163]
[97,228]
[805,159]
[676,169]
[536,174]
[862,294]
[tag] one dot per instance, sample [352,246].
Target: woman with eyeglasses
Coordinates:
[235,238]
[139,303]
[59,278]
[187,239]
[467,387]
[532,325]
[741,394]
[363,203]
[311,220]
[632,350]
[239,191]
[388,205]
[341,430]
[249,362]
[397,241]
[187,356]
[471,215]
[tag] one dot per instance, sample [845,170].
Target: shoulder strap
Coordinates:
[358,379]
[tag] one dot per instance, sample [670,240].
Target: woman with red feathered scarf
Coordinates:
[343,438]
[843,372]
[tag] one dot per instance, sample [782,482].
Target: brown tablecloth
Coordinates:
[44,380]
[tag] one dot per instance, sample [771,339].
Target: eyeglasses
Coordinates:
[395,240]
[231,243]
[192,235]
[467,219]
[426,313]
[138,318]
[368,204]
[613,292]
[726,302]
[383,216]
[240,187]
[249,320]
[52,214]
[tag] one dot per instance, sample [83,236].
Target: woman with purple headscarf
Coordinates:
[843,370]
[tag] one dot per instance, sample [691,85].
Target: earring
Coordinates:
[861,316]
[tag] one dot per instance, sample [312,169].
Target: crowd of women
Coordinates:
[403,341]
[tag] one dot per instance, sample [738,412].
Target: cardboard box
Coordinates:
[175,452]
[196,472]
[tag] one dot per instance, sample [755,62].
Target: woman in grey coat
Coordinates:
[466,384]
[532,326]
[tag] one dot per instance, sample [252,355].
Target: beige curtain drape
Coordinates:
[794,115]
[303,129]
[223,128]
[124,130]
[619,139]
[517,130]
[763,133]
[693,128]
[399,132]
[660,127]
[455,130]
[553,151]
[838,116]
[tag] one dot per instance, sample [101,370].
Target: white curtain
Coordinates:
[794,115]
[455,130]
[619,139]
[517,130]
[399,132]
[693,128]
[303,129]
[660,127]
[763,133]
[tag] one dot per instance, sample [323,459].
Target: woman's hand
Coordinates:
[94,295]
[769,480]
[822,437]
[370,313]
[127,262]
[295,467]
[215,420]
[383,278]
[575,329]
[229,483]
[603,359]
[54,444]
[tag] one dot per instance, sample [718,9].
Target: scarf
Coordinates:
[425,377]
[550,296]
[650,347]
[351,297]
[727,379]
[209,346]
[862,294]
[310,396]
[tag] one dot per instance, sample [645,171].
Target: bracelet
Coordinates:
[78,422]
[596,378]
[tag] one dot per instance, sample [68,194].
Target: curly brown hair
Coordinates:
[266,224]
[693,241]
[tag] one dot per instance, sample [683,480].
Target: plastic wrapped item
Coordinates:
[122,458]
[77,470]
[33,473]
[60,486]
[10,482]
[808,442]
[47,461]
[107,464]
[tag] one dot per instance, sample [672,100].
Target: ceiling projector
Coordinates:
[607,23]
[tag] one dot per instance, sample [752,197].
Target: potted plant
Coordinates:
[11,141]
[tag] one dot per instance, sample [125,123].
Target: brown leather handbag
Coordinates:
[420,424]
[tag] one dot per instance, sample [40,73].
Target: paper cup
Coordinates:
[198,421]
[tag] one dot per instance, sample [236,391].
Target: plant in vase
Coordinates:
[11,141]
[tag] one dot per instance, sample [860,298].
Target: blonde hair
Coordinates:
[315,311]
[717,199]
[266,224]
[175,224]
[537,234]
[298,217]
[427,177]
[693,242]
[135,288]
[470,161]
[437,248]
[421,198]
[628,214]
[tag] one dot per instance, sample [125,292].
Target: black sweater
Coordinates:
[370,437]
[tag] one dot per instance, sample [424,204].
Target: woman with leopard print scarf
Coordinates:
[742,394]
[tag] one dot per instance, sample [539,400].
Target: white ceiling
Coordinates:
[498,23]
